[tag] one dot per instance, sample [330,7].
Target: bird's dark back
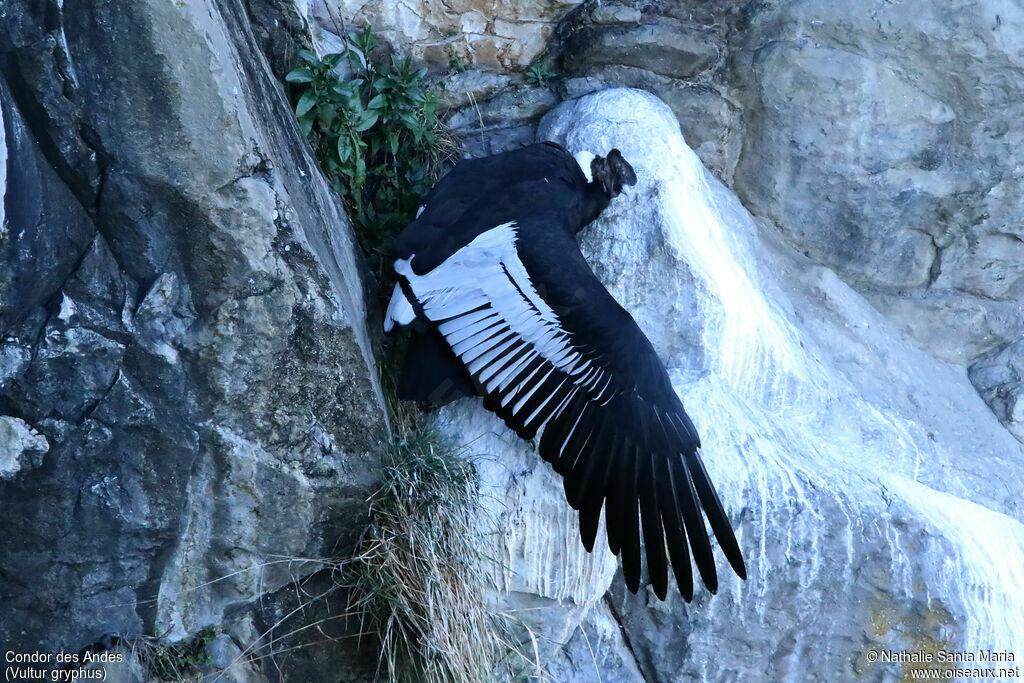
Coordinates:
[479,194]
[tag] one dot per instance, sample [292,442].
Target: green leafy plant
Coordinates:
[539,72]
[375,131]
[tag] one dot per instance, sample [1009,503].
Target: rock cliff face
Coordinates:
[186,379]
[905,119]
[833,276]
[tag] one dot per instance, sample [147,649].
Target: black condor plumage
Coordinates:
[507,308]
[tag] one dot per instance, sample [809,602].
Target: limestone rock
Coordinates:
[469,87]
[14,359]
[43,230]
[1000,379]
[518,106]
[505,121]
[885,144]
[667,48]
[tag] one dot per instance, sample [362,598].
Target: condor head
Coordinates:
[612,172]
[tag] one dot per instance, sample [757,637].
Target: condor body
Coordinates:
[504,306]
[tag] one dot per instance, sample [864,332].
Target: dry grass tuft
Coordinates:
[418,581]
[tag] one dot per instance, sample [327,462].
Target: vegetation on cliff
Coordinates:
[375,131]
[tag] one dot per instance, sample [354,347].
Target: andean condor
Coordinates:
[503,305]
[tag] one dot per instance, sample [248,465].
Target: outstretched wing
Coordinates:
[551,349]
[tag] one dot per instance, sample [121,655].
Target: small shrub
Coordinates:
[375,131]
[539,72]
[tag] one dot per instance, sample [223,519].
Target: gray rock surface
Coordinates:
[668,48]
[1000,379]
[505,121]
[43,231]
[860,471]
[885,141]
[187,387]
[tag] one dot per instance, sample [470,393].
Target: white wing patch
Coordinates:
[511,341]
[400,311]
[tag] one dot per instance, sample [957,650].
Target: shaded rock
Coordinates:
[340,649]
[281,28]
[43,229]
[97,293]
[483,141]
[506,121]
[999,378]
[466,87]
[199,362]
[71,370]
[507,108]
[39,74]
[14,359]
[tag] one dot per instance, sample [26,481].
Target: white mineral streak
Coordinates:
[534,531]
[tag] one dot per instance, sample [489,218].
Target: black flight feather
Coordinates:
[654,542]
